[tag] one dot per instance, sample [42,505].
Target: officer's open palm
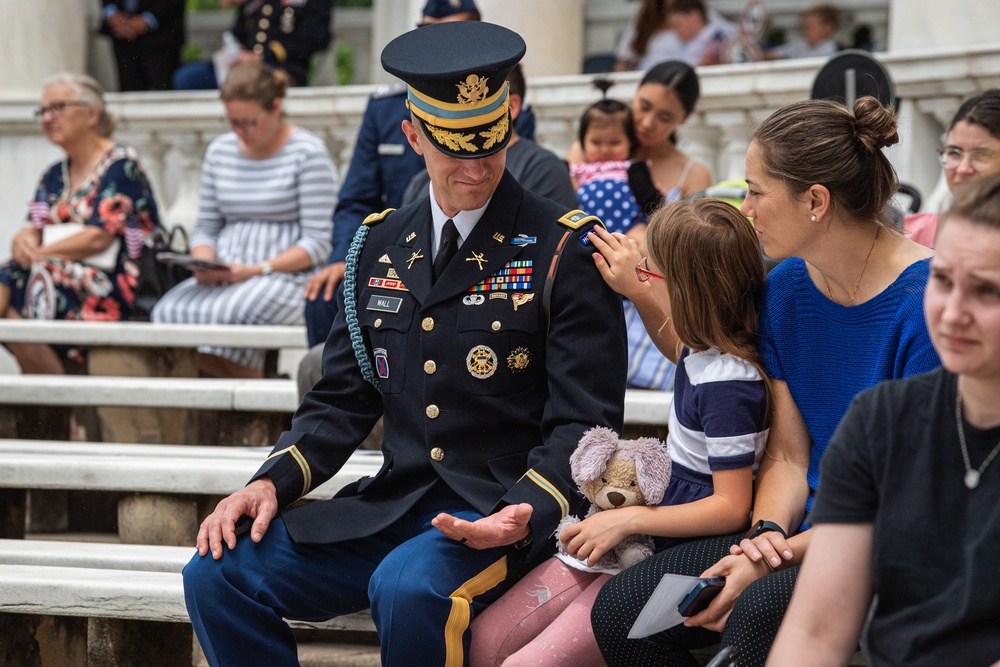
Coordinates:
[258,500]
[507,526]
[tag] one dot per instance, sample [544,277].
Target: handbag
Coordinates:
[104,260]
[156,278]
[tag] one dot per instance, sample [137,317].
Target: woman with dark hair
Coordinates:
[971,151]
[659,173]
[916,459]
[667,95]
[841,314]
[75,257]
[267,197]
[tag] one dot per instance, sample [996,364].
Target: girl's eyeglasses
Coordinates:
[643,273]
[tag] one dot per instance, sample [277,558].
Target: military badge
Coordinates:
[478,258]
[473,299]
[520,298]
[384,259]
[411,236]
[522,239]
[481,362]
[519,359]
[514,275]
[387,283]
[498,237]
[414,257]
[381,362]
[498,295]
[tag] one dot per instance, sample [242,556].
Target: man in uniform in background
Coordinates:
[382,164]
[284,34]
[477,323]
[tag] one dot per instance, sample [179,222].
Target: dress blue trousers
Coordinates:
[423,590]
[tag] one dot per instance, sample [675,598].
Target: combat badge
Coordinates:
[481,362]
[519,359]
[478,258]
[381,362]
[520,299]
[522,239]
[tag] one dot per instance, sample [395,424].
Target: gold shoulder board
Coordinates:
[577,219]
[377,217]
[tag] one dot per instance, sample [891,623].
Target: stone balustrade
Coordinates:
[171,130]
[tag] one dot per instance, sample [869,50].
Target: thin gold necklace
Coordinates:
[854,294]
[972,476]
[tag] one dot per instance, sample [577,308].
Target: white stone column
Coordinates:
[552,30]
[390,18]
[926,24]
[41,38]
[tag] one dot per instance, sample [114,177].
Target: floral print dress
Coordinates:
[117,198]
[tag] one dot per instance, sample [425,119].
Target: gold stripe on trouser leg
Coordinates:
[461,612]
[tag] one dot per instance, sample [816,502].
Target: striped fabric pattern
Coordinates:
[251,211]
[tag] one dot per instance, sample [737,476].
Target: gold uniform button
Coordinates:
[497,325]
[261,36]
[432,411]
[267,9]
[378,322]
[258,49]
[263,24]
[437,454]
[427,324]
[430,367]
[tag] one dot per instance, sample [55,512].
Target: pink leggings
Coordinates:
[543,620]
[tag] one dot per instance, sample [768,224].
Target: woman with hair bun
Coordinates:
[268,189]
[75,257]
[841,314]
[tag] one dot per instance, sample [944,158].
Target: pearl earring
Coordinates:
[813,218]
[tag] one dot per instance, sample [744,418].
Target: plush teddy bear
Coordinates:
[613,473]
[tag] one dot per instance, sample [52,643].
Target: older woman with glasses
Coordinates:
[75,257]
[971,151]
[268,189]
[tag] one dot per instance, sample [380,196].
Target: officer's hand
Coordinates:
[505,527]
[325,281]
[258,500]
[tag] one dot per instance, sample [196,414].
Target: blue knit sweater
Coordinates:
[826,353]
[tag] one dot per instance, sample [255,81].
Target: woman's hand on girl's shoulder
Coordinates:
[616,258]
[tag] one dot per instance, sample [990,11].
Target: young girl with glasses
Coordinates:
[697,293]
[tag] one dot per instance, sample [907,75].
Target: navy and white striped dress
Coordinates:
[717,422]
[251,211]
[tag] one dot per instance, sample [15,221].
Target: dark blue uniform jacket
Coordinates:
[480,392]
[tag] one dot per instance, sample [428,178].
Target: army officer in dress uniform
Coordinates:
[477,323]
[283,34]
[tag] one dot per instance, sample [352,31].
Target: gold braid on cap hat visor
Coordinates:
[453,116]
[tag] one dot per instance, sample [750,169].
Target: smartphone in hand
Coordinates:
[700,596]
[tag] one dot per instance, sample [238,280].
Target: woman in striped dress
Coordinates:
[268,190]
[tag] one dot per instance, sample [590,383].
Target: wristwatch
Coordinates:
[763,526]
[266,269]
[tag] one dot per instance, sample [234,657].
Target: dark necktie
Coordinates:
[449,246]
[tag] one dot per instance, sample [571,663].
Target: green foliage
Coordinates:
[344,63]
[191,53]
[203,6]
